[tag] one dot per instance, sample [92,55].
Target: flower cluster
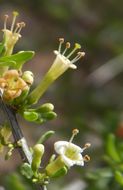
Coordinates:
[12,36]
[68,155]
[14,83]
[15,87]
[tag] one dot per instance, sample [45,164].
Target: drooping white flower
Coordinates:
[70,153]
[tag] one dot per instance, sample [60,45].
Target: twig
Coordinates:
[17,134]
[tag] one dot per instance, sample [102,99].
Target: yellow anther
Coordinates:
[61,40]
[68,45]
[5,21]
[23,24]
[86,158]
[77,46]
[15,13]
[75,131]
[87,145]
[81,54]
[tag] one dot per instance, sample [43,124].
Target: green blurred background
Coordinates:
[89,98]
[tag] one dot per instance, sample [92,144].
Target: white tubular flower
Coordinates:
[61,63]
[12,36]
[70,153]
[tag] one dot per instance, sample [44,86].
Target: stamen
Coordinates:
[15,14]
[74,133]
[61,40]
[5,21]
[86,158]
[77,46]
[67,47]
[79,55]
[87,145]
[17,27]
[22,24]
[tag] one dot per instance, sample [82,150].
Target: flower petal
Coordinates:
[60,144]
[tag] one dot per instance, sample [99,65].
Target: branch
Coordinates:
[24,151]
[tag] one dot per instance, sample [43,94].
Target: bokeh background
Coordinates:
[89,98]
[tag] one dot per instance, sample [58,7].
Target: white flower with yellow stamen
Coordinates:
[70,153]
[12,36]
[61,63]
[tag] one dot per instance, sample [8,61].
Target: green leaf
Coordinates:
[14,181]
[111,148]
[9,63]
[119,177]
[45,137]
[26,170]
[19,59]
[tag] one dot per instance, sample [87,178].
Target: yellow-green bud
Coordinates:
[28,77]
[38,151]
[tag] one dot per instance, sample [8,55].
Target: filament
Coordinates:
[15,14]
[79,55]
[61,40]
[5,21]
[67,47]
[77,46]
[87,145]
[17,27]
[22,24]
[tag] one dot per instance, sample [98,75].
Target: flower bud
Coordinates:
[30,116]
[28,77]
[45,108]
[38,151]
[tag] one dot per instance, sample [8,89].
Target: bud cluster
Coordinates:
[13,83]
